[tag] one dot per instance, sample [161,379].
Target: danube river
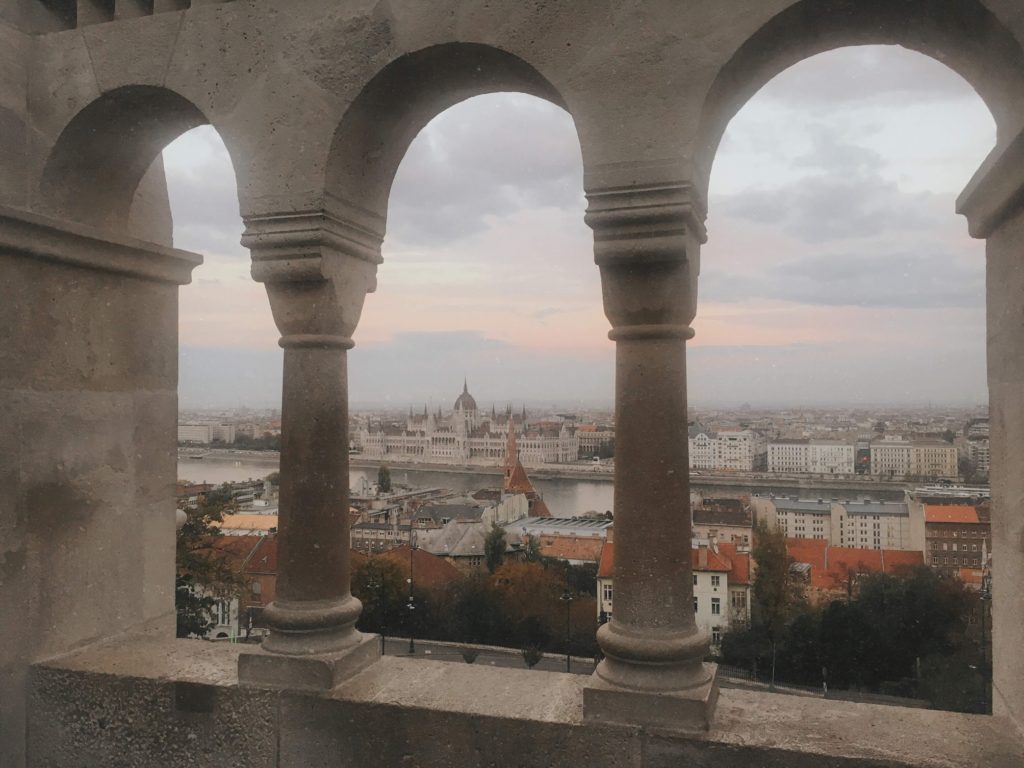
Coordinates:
[563,497]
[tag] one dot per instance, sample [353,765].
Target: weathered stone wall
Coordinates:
[1005,299]
[88,408]
[174,703]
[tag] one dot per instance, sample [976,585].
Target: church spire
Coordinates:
[465,385]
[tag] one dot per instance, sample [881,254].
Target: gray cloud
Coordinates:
[901,279]
[843,203]
[489,156]
[854,74]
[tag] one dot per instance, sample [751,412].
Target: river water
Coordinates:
[564,497]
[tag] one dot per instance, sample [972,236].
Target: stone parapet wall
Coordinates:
[168,703]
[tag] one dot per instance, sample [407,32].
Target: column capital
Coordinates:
[647,242]
[318,267]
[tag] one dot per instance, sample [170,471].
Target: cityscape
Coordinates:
[469,492]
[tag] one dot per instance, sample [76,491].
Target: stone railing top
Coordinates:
[750,727]
[34,236]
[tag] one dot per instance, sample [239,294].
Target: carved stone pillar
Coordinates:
[647,244]
[318,270]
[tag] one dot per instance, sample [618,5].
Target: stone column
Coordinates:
[318,270]
[993,203]
[646,243]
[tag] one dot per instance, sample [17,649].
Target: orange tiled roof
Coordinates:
[971,576]
[429,570]
[607,564]
[726,560]
[953,513]
[571,547]
[831,566]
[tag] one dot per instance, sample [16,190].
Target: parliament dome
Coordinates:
[465,401]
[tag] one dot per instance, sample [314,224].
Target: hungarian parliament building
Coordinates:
[467,436]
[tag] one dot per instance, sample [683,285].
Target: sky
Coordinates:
[836,272]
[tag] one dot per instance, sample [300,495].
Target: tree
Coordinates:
[204,572]
[531,655]
[274,478]
[383,480]
[775,592]
[380,586]
[494,548]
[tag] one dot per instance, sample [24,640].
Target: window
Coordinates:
[695,605]
[606,593]
[716,580]
[695,579]
[257,588]
[716,606]
[716,635]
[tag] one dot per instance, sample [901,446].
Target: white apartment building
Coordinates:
[898,457]
[721,588]
[819,457]
[864,524]
[206,433]
[978,453]
[733,450]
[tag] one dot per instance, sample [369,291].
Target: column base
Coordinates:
[689,710]
[309,672]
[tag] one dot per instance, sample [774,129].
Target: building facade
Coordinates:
[956,537]
[819,457]
[895,457]
[863,524]
[729,450]
[467,436]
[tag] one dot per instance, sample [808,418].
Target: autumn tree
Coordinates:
[494,548]
[204,573]
[775,593]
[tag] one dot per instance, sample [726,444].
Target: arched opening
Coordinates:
[105,151]
[487,274]
[841,293]
[406,95]
[963,35]
[229,395]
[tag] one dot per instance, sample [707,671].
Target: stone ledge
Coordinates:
[29,234]
[417,710]
[996,190]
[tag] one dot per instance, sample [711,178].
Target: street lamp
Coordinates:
[411,606]
[567,599]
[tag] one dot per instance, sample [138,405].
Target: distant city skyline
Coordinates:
[836,271]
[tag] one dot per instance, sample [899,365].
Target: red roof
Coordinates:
[264,557]
[832,566]
[953,513]
[607,565]
[726,560]
[571,547]
[971,576]
[429,570]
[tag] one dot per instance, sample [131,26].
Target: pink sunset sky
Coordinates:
[836,271]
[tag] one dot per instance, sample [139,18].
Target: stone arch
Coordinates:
[104,151]
[962,34]
[399,101]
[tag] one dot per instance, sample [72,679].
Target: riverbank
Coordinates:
[757,482]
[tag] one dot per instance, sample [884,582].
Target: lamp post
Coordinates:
[412,584]
[567,599]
